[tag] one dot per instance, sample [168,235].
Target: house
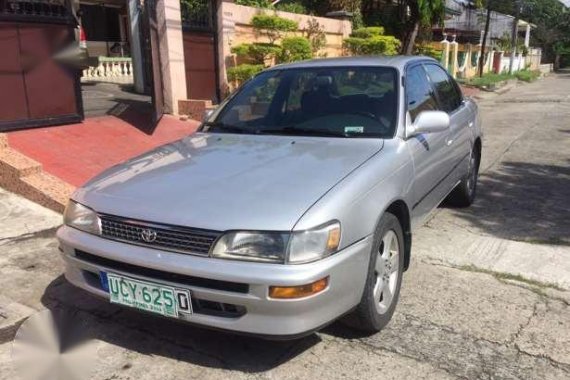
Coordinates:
[150,56]
[467,23]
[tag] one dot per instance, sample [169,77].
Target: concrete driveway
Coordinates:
[487,295]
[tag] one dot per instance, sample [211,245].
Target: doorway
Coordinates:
[120,81]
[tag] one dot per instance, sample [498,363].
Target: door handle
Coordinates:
[470,124]
[449,141]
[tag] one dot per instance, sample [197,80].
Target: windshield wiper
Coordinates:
[222,127]
[303,131]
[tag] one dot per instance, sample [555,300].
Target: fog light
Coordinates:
[288,292]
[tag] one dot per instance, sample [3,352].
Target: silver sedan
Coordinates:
[293,205]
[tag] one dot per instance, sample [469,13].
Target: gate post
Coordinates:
[171,53]
[133,7]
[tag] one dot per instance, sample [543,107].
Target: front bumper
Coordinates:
[241,285]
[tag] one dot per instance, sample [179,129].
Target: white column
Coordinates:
[527,36]
[171,54]
[136,47]
[454,57]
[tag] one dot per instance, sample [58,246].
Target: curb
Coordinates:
[12,315]
[26,177]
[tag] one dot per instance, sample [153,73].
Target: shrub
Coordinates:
[257,52]
[428,51]
[272,26]
[295,49]
[243,72]
[368,32]
[316,35]
[293,7]
[255,3]
[371,41]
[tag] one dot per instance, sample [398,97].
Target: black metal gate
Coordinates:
[151,40]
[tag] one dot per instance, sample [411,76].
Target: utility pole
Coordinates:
[485,36]
[515,35]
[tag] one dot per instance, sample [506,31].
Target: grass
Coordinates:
[511,277]
[491,79]
[527,75]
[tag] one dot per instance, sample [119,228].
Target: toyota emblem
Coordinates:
[148,235]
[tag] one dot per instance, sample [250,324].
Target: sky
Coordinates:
[565,2]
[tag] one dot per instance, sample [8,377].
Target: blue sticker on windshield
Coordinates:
[353,129]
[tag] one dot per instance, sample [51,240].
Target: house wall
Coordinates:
[234,28]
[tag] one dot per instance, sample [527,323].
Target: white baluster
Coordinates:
[101,69]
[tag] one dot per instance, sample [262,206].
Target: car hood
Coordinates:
[227,181]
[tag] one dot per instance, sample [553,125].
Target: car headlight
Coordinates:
[81,217]
[254,246]
[279,247]
[314,244]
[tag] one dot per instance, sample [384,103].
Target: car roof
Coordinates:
[398,61]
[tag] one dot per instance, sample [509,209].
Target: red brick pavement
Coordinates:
[77,152]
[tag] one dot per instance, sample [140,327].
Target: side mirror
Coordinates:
[429,122]
[207,114]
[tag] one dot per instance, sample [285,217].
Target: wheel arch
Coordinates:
[478,145]
[400,210]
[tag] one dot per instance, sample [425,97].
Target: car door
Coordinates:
[428,150]
[458,144]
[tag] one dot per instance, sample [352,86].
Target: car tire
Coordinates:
[384,278]
[464,193]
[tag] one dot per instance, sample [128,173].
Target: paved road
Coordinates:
[487,296]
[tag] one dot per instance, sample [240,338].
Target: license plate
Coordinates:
[156,298]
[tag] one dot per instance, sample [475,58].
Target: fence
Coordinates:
[110,70]
[462,60]
[234,21]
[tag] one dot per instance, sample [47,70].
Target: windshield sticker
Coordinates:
[353,129]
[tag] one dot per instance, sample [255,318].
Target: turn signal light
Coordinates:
[289,292]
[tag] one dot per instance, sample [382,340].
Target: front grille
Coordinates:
[172,238]
[181,279]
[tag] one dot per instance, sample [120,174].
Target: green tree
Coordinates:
[421,13]
[552,31]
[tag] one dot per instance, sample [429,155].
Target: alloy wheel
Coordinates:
[472,174]
[387,271]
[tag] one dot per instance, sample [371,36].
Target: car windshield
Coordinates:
[330,101]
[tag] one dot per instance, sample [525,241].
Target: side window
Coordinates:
[447,91]
[419,93]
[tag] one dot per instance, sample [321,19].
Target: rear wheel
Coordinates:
[384,278]
[464,194]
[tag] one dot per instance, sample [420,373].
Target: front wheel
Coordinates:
[464,194]
[384,278]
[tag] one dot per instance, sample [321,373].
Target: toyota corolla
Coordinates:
[293,205]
